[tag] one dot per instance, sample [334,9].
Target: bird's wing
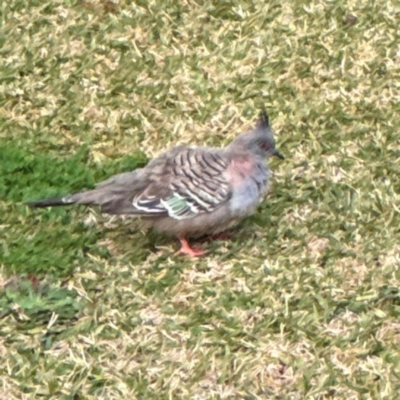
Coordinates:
[181,183]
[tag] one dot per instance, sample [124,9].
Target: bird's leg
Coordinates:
[186,249]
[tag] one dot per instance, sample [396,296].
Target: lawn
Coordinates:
[303,302]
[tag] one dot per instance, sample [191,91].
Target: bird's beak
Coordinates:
[276,153]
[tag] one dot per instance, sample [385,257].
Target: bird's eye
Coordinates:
[264,145]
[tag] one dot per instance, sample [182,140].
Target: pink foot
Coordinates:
[187,250]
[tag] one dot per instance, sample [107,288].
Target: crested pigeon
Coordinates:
[187,191]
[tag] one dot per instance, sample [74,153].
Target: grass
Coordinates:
[303,302]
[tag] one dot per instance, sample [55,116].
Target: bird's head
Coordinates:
[259,140]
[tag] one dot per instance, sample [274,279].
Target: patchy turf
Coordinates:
[303,302]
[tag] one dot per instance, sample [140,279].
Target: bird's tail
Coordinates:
[98,197]
[52,202]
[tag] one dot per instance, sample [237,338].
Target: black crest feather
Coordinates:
[264,119]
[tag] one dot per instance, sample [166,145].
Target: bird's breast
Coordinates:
[249,182]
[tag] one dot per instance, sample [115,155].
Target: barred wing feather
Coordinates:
[191,183]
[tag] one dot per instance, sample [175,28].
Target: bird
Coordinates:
[189,192]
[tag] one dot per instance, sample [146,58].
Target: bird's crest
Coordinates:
[263,121]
